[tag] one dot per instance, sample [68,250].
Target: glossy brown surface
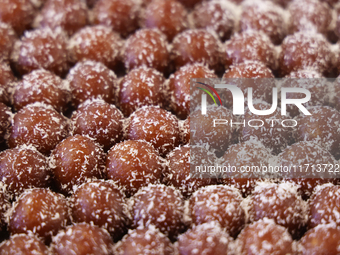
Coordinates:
[23,244]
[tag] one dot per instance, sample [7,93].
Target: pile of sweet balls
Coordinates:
[94,127]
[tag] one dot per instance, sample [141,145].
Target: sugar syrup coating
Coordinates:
[43,48]
[99,120]
[322,126]
[266,17]
[220,203]
[4,206]
[97,43]
[18,14]
[217,138]
[184,127]
[178,172]
[250,45]
[75,160]
[103,204]
[279,202]
[121,16]
[161,206]
[133,164]
[39,125]
[323,205]
[7,80]
[323,239]
[146,241]
[218,16]
[82,239]
[301,153]
[170,17]
[91,79]
[70,15]
[42,86]
[264,237]
[154,125]
[7,40]
[40,211]
[208,238]
[22,168]
[141,86]
[309,15]
[23,244]
[249,153]
[5,121]
[147,47]
[311,80]
[252,74]
[177,87]
[305,51]
[269,129]
[196,46]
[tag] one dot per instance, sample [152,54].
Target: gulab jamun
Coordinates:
[141,86]
[7,81]
[7,39]
[99,120]
[133,164]
[23,244]
[154,125]
[5,121]
[75,160]
[91,79]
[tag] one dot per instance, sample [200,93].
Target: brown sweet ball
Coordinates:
[97,43]
[40,125]
[147,47]
[43,48]
[309,15]
[208,238]
[264,237]
[99,120]
[323,205]
[323,239]
[279,202]
[7,39]
[91,79]
[264,16]
[7,80]
[177,87]
[18,14]
[147,241]
[219,203]
[40,211]
[184,127]
[322,126]
[22,168]
[218,16]
[268,129]
[82,239]
[4,205]
[335,99]
[196,46]
[133,164]
[252,74]
[70,15]
[311,80]
[217,137]
[305,51]
[250,45]
[5,121]
[75,160]
[179,174]
[190,3]
[103,204]
[23,244]
[121,16]
[140,87]
[42,86]
[298,156]
[238,156]
[161,206]
[154,125]
[170,17]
